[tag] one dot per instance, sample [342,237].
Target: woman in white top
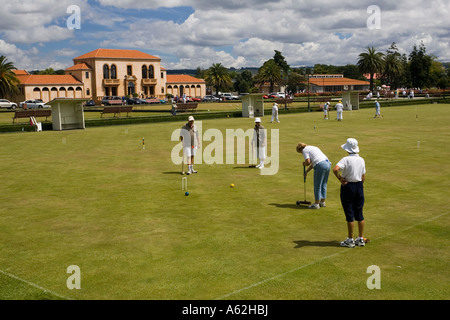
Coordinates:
[317,160]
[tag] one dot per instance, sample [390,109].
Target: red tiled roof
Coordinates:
[116,54]
[48,80]
[79,66]
[20,72]
[337,82]
[182,78]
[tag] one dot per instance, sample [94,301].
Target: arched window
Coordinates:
[151,72]
[144,72]
[113,72]
[105,72]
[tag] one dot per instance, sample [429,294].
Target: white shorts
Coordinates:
[189,151]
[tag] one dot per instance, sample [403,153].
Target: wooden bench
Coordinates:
[117,110]
[32,113]
[186,106]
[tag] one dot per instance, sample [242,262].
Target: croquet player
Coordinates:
[259,141]
[189,137]
[326,106]
[317,160]
[377,109]
[339,110]
[353,174]
[275,113]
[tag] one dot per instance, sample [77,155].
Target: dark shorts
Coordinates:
[352,199]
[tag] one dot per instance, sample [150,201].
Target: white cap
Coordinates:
[351,146]
[257,120]
[191,118]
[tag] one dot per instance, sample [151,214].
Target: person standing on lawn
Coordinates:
[353,175]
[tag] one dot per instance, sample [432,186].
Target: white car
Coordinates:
[229,96]
[7,104]
[34,104]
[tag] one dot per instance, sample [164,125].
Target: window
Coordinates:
[151,72]
[144,72]
[105,72]
[129,70]
[87,75]
[162,75]
[113,72]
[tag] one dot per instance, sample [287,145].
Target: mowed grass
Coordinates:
[94,198]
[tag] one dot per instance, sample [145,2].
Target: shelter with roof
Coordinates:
[336,83]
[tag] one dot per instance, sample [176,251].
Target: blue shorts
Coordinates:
[352,199]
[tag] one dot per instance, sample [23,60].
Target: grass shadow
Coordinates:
[288,206]
[307,243]
[173,172]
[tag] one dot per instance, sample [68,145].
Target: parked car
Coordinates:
[7,104]
[33,104]
[229,96]
[89,103]
[106,100]
[210,98]
[194,99]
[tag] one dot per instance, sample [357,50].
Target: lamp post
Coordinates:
[311,72]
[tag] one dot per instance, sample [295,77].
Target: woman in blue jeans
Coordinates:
[317,160]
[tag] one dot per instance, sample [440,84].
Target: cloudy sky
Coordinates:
[34,34]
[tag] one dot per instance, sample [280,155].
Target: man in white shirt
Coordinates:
[325,110]
[353,169]
[190,138]
[339,110]
[260,141]
[275,113]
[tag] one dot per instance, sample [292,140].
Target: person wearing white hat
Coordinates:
[339,110]
[275,113]
[190,138]
[353,175]
[259,141]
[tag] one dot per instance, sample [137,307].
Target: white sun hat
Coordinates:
[191,118]
[257,120]
[351,146]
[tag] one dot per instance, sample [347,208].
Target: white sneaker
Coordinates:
[360,242]
[193,171]
[258,165]
[349,243]
[261,166]
[314,206]
[322,204]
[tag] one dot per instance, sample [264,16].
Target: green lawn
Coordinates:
[94,198]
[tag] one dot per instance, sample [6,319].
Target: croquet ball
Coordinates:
[186,193]
[232,185]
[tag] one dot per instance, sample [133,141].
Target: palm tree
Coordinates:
[371,62]
[269,72]
[8,79]
[218,77]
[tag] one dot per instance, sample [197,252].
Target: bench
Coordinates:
[117,110]
[186,106]
[32,113]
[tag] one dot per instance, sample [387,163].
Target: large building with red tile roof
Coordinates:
[109,72]
[336,83]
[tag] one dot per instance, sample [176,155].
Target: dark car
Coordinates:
[89,103]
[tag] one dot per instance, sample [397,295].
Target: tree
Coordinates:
[243,82]
[269,72]
[8,79]
[393,70]
[218,77]
[371,62]
[420,66]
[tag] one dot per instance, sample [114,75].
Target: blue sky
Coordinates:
[236,33]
